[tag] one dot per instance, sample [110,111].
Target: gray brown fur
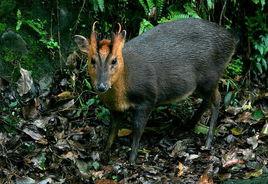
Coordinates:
[167,64]
[172,61]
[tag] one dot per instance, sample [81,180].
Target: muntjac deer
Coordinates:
[163,65]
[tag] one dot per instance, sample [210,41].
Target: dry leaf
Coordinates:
[264,130]
[32,134]
[255,173]
[237,131]
[25,83]
[65,95]
[245,117]
[67,105]
[233,110]
[180,169]
[232,162]
[231,158]
[30,111]
[205,179]
[124,132]
[253,141]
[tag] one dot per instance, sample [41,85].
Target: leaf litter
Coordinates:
[56,133]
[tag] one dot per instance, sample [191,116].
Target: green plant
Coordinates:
[102,113]
[39,27]
[210,4]
[98,5]
[152,8]
[174,13]
[235,68]
[258,36]
[261,2]
[145,25]
[231,95]
[260,55]
[3,27]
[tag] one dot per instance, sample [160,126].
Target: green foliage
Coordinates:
[258,114]
[3,27]
[10,125]
[256,24]
[98,5]
[103,113]
[152,8]
[261,2]
[39,26]
[235,68]
[95,165]
[190,9]
[19,20]
[232,89]
[145,25]
[210,4]
[260,56]
[159,5]
[144,5]
[6,6]
[173,13]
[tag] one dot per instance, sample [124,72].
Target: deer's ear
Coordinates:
[82,43]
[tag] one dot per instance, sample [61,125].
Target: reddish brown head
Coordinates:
[105,60]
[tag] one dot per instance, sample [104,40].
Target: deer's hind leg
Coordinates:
[215,107]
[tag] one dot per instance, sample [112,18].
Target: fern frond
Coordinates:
[210,4]
[150,4]
[101,5]
[189,8]
[145,7]
[145,25]
[159,6]
[98,5]
[173,15]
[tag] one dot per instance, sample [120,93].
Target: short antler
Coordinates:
[119,30]
[93,26]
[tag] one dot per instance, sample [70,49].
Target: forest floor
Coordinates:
[52,131]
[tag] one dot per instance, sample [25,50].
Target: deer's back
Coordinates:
[176,58]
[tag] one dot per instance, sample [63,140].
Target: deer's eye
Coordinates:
[93,62]
[114,61]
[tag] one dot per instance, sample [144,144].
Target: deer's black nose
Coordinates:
[102,87]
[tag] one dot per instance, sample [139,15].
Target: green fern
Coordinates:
[101,5]
[145,25]
[173,15]
[159,6]
[210,4]
[150,5]
[144,5]
[98,5]
[189,8]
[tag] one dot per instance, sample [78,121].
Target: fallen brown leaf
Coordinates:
[245,117]
[124,132]
[65,95]
[25,83]
[180,169]
[233,162]
[205,179]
